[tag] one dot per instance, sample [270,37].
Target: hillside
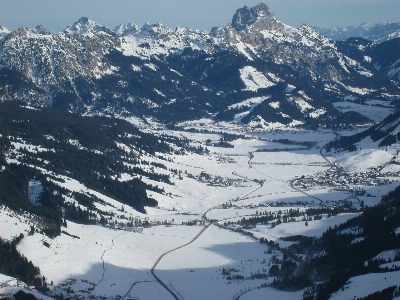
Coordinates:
[384,134]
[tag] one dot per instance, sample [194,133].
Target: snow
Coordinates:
[275,104]
[119,262]
[203,260]
[394,69]
[251,103]
[151,66]
[241,47]
[363,160]
[254,79]
[362,286]
[290,88]
[248,102]
[379,103]
[86,27]
[367,59]
[10,286]
[314,228]
[365,73]
[136,68]
[375,113]
[11,224]
[159,92]
[126,255]
[317,113]
[390,265]
[385,255]
[361,91]
[260,294]
[77,144]
[157,39]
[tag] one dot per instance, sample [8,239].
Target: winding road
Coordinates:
[174,294]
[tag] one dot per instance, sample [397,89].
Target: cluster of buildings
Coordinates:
[219,180]
[338,178]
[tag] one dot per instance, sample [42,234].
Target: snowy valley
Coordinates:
[218,203]
[254,161]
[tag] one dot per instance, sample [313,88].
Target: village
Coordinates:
[339,179]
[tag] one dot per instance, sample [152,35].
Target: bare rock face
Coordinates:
[259,17]
[41,30]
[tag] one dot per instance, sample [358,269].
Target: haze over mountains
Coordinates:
[374,32]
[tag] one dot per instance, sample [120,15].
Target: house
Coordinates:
[200,222]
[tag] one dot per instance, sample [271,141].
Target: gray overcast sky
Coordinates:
[56,15]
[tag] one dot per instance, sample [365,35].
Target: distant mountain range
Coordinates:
[295,74]
[374,32]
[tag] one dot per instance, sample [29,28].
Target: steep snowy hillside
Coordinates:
[383,134]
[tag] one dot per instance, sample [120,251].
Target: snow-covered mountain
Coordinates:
[99,200]
[87,27]
[365,30]
[185,74]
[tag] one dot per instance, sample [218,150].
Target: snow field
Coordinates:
[109,260]
[375,113]
[314,228]
[202,262]
[260,294]
[10,286]
[361,286]
[11,224]
[118,262]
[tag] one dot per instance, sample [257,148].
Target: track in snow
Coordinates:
[174,293]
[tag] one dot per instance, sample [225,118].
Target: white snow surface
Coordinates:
[248,102]
[254,79]
[375,113]
[364,285]
[118,262]
[314,228]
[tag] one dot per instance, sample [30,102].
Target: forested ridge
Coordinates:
[81,148]
[345,251]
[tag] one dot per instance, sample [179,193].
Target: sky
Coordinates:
[56,15]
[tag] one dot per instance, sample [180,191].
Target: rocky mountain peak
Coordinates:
[126,29]
[3,31]
[40,29]
[85,26]
[258,14]
[154,29]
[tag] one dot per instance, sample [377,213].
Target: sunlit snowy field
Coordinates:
[109,262]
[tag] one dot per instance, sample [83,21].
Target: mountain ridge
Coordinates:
[254,54]
[372,32]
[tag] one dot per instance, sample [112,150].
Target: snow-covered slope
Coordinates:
[228,209]
[384,134]
[158,71]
